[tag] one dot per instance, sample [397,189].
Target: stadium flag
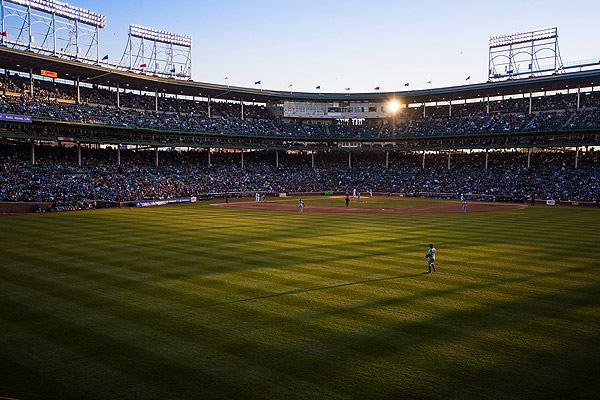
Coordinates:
[142,65]
[258,83]
[377,88]
[429,82]
[468,78]
[407,84]
[510,71]
[172,70]
[318,87]
[347,88]
[105,57]
[3,33]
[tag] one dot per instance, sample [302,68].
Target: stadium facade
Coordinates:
[357,109]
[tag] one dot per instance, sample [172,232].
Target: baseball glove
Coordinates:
[426,255]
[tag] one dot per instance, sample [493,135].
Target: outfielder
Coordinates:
[431,256]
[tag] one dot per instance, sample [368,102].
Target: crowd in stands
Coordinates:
[56,101]
[56,176]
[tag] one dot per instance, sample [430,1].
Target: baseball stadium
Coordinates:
[166,238]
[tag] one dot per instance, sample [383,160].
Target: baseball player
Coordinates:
[300,205]
[431,258]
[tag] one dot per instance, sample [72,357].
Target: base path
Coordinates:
[444,208]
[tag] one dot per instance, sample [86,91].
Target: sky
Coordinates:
[347,44]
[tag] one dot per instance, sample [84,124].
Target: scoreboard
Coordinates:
[331,110]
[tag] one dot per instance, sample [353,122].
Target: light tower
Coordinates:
[160,53]
[51,27]
[524,53]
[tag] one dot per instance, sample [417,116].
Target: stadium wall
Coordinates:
[21,208]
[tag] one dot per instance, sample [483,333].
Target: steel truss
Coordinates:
[525,53]
[158,53]
[48,32]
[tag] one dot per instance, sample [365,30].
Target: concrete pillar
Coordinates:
[32,153]
[276,159]
[79,154]
[387,159]
[78,93]
[576,157]
[312,160]
[156,156]
[209,156]
[156,100]
[486,158]
[530,101]
[449,153]
[528,157]
[118,154]
[578,97]
[487,108]
[209,110]
[242,104]
[242,158]
[118,96]
[349,160]
[423,159]
[450,109]
[423,110]
[31,81]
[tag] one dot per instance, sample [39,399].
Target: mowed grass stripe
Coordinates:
[339,317]
[171,363]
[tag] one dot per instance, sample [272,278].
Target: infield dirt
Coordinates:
[450,207]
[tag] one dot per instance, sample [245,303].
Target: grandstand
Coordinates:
[439,132]
[112,116]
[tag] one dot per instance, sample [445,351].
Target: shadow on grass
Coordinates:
[314,289]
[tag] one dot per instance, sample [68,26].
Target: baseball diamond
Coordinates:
[169,235]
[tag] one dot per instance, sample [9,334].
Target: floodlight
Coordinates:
[394,106]
[522,37]
[160,36]
[64,10]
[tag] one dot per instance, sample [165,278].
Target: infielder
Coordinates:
[300,205]
[431,258]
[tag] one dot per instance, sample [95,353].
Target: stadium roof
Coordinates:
[23,61]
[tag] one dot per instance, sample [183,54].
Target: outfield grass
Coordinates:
[202,302]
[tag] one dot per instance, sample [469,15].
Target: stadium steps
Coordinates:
[566,124]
